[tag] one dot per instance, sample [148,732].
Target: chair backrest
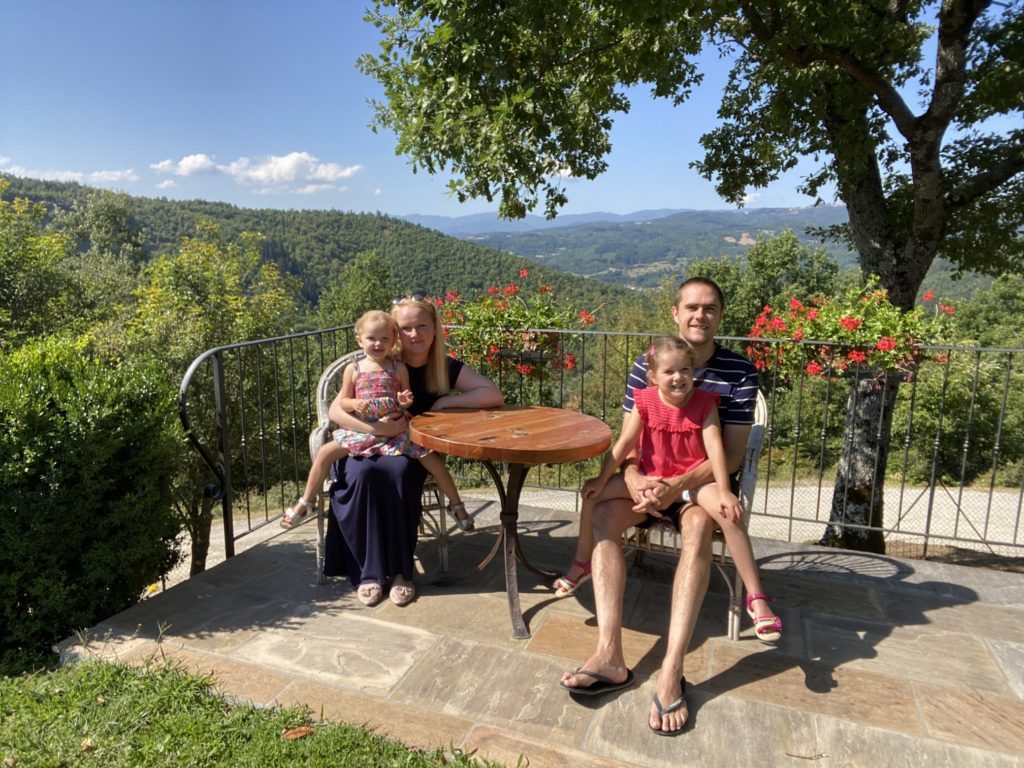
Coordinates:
[751,457]
[326,390]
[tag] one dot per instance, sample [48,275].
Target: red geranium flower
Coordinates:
[524,272]
[928,295]
[849,322]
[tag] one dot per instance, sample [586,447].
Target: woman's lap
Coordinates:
[376,508]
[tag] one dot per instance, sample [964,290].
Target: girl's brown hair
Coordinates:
[437,362]
[667,344]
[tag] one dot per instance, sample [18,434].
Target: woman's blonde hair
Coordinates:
[437,360]
[667,344]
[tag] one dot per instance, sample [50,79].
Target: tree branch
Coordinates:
[956,19]
[981,184]
[884,92]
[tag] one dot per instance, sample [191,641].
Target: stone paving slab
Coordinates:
[883,662]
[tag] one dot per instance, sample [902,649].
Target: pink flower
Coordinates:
[795,304]
[857,356]
[524,369]
[570,362]
[586,318]
[928,295]
[524,272]
[799,335]
[511,289]
[849,322]
[544,289]
[778,324]
[492,290]
[948,309]
[812,314]
[814,369]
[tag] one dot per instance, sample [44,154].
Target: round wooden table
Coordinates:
[520,436]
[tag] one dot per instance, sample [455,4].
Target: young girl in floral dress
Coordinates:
[375,388]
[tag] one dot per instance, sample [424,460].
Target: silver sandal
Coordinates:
[296,514]
[464,520]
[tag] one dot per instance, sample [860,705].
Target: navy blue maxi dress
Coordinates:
[376,505]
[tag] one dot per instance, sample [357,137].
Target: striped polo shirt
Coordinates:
[730,376]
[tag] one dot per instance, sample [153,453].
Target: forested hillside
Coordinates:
[314,244]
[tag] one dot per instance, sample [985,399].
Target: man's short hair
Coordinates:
[701,281]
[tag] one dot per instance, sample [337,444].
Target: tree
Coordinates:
[210,293]
[363,284]
[108,246]
[33,287]
[511,97]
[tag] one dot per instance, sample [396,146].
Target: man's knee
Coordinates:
[612,518]
[696,528]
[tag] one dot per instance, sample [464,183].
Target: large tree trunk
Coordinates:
[856,518]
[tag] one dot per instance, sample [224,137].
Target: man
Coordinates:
[697,312]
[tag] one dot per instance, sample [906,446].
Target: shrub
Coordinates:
[85,456]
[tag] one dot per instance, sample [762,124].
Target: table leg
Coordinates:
[508,541]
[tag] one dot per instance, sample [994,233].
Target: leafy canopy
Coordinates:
[512,97]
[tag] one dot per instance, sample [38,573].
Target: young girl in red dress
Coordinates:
[677,429]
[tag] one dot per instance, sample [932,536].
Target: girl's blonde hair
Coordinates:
[437,361]
[667,344]
[375,318]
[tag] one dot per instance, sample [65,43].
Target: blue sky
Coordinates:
[260,104]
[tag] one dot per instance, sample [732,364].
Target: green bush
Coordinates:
[86,452]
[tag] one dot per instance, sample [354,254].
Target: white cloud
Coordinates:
[312,189]
[4,160]
[287,169]
[166,184]
[190,165]
[112,176]
[271,173]
[378,192]
[751,197]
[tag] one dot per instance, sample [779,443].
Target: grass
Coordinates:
[101,714]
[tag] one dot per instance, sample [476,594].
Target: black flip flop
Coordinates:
[662,711]
[601,685]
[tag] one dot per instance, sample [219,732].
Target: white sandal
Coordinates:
[296,514]
[464,520]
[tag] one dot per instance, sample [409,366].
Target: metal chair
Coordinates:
[662,536]
[432,523]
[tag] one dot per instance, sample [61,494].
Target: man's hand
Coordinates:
[592,488]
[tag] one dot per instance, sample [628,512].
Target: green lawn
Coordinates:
[101,714]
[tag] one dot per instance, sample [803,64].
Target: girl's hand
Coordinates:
[405,398]
[729,507]
[361,407]
[389,426]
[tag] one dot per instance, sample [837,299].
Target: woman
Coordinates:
[375,501]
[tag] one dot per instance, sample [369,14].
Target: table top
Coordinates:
[521,434]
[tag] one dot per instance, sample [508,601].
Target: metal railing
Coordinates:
[954,477]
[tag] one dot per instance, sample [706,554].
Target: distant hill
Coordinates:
[618,253]
[487,223]
[314,244]
[641,252]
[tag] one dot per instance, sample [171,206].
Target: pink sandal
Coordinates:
[767,628]
[564,586]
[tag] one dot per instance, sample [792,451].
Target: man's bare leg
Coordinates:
[611,518]
[689,587]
